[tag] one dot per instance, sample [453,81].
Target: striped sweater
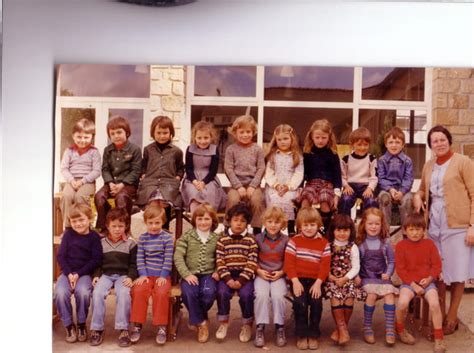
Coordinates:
[307,257]
[118,258]
[236,254]
[155,254]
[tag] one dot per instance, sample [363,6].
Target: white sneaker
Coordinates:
[222,331]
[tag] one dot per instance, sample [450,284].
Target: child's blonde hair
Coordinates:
[79,209]
[204,126]
[85,126]
[277,214]
[361,133]
[154,210]
[273,147]
[242,122]
[362,234]
[201,210]
[308,215]
[322,125]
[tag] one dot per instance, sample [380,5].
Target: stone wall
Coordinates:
[453,106]
[167,95]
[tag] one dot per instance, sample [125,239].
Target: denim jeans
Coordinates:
[301,304]
[198,299]
[224,296]
[348,201]
[82,295]
[122,302]
[405,207]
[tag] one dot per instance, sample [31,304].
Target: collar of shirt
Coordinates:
[340,243]
[269,237]
[232,234]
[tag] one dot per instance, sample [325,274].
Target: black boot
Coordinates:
[326,216]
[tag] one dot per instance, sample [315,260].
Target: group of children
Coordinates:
[255,265]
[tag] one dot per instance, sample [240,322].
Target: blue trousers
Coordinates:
[224,295]
[198,299]
[348,201]
[82,295]
[122,302]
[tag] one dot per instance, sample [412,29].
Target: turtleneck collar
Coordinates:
[444,158]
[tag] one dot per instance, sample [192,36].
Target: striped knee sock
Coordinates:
[368,314]
[389,310]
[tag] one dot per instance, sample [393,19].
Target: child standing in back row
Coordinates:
[284,171]
[377,264]
[244,166]
[80,167]
[322,170]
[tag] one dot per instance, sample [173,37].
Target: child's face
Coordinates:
[309,229]
[361,147]
[162,135]
[394,145]
[320,138]
[373,225]
[82,139]
[272,225]
[116,230]
[414,233]
[244,135]
[204,222]
[80,224]
[118,136]
[342,234]
[283,141]
[203,139]
[238,224]
[154,225]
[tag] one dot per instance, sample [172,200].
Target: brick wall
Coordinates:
[453,106]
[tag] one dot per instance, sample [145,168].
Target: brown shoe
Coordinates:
[343,333]
[450,326]
[390,338]
[302,343]
[203,332]
[406,337]
[335,335]
[369,335]
[439,346]
[313,343]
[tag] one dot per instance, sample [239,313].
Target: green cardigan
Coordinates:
[192,257]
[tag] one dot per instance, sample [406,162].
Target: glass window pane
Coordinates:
[393,83]
[412,122]
[222,117]
[104,80]
[69,117]
[302,118]
[305,83]
[135,119]
[225,81]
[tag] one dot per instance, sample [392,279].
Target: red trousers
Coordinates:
[161,301]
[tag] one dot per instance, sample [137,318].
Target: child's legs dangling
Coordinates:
[278,291]
[406,295]
[262,300]
[161,303]
[140,295]
[82,294]
[122,304]
[101,290]
[257,206]
[246,296]
[435,309]
[207,293]
[389,310]
[62,299]
[369,308]
[224,295]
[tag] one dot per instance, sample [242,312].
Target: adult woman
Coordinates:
[447,186]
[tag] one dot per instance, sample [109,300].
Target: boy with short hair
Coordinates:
[118,270]
[80,167]
[395,173]
[418,265]
[359,175]
[236,260]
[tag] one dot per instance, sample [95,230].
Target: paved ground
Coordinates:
[461,341]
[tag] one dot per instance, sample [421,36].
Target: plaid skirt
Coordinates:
[317,191]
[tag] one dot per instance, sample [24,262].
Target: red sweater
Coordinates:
[417,260]
[307,257]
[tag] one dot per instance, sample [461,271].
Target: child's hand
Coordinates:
[140,280]
[341,281]
[348,190]
[385,277]
[73,277]
[398,196]
[237,285]
[297,287]
[417,203]
[425,282]
[197,184]
[250,191]
[357,281]
[94,281]
[336,202]
[113,188]
[315,289]
[160,281]
[215,276]
[469,239]
[192,280]
[76,184]
[242,192]
[119,188]
[277,275]
[282,189]
[127,282]
[332,278]
[178,178]
[368,193]
[417,288]
[264,274]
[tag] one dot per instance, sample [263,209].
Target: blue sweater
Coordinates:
[155,254]
[322,163]
[79,253]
